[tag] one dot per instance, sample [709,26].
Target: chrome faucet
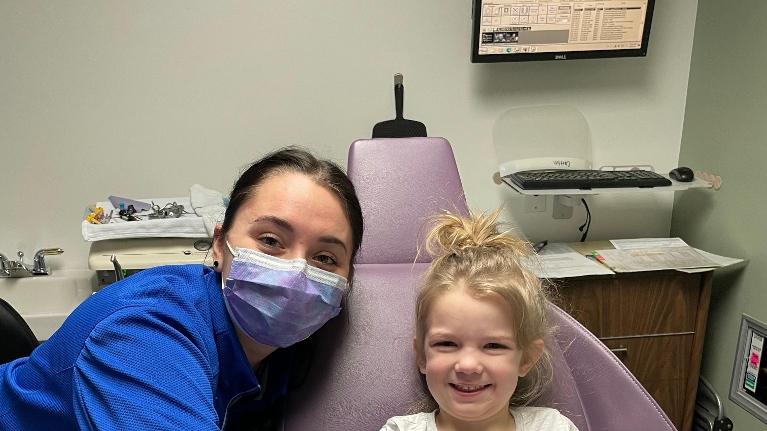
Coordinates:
[39,260]
[18,269]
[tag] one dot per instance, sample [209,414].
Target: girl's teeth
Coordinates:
[468,388]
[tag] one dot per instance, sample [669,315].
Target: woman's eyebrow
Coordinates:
[332,240]
[276,220]
[328,239]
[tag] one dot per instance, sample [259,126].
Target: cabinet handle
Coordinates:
[620,351]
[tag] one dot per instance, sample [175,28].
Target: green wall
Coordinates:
[724,133]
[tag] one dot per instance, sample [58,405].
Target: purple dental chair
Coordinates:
[365,371]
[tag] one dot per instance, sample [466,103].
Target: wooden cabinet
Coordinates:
[654,322]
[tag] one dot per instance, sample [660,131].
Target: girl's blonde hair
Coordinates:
[473,253]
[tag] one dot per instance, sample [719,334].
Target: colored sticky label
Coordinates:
[753,361]
[749,382]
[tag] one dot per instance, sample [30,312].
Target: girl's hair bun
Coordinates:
[451,234]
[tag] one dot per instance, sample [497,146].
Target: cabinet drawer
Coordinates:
[634,304]
[662,366]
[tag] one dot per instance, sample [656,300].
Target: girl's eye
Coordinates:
[325,260]
[443,344]
[495,346]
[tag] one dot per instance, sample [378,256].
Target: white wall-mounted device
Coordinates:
[135,254]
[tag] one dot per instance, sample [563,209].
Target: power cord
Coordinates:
[587,223]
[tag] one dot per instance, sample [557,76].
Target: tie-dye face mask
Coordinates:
[279,302]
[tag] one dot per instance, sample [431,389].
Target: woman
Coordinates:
[189,347]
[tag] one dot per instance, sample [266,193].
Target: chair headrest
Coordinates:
[401,183]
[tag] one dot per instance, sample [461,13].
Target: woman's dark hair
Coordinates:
[298,357]
[293,159]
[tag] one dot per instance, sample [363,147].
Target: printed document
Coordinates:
[558,260]
[655,258]
[722,261]
[643,243]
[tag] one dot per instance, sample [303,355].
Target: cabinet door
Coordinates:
[662,365]
[633,304]
[583,299]
[651,303]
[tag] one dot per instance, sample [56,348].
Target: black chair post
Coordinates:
[17,338]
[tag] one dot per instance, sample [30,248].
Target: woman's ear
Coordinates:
[419,359]
[531,356]
[218,251]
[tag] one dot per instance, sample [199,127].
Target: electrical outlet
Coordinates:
[563,207]
[535,204]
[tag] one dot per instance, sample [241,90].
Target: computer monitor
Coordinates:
[525,30]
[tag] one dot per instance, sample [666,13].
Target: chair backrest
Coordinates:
[18,339]
[366,373]
[606,395]
[401,183]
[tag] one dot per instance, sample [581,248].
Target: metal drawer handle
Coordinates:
[620,351]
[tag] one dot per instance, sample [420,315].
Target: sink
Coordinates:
[45,301]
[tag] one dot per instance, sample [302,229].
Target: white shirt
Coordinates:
[526,419]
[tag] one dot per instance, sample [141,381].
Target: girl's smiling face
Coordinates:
[470,358]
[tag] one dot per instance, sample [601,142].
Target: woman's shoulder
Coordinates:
[416,422]
[173,293]
[167,275]
[541,418]
[179,282]
[140,303]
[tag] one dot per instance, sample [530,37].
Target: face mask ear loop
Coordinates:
[229,246]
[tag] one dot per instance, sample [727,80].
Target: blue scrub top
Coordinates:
[156,351]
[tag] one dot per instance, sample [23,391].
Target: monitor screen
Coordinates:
[524,30]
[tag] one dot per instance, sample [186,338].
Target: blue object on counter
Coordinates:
[122,203]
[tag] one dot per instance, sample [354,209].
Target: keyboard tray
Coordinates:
[586,179]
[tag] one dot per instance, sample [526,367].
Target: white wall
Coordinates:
[145,98]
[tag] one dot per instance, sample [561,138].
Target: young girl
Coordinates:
[480,325]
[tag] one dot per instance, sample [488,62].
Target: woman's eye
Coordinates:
[269,241]
[326,260]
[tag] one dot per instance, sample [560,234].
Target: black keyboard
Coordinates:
[585,179]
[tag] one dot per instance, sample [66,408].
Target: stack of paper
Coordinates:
[560,261]
[653,254]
